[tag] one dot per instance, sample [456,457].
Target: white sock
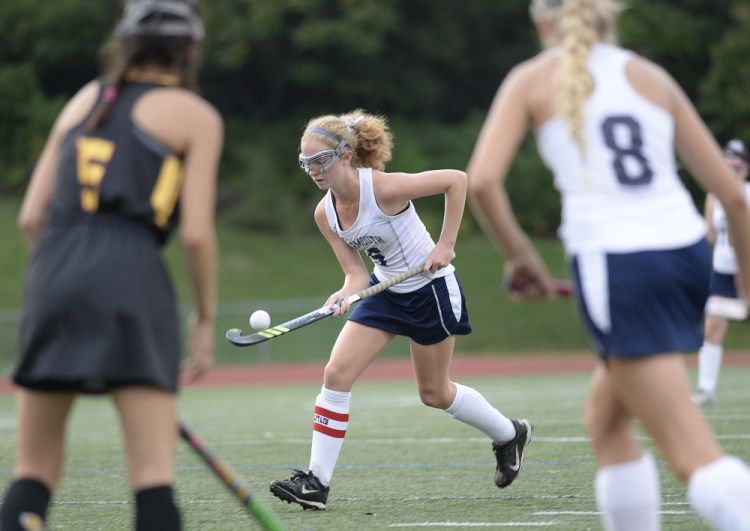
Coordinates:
[472,408]
[709,365]
[329,428]
[629,496]
[720,493]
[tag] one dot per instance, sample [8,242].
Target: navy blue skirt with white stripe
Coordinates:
[427,315]
[643,303]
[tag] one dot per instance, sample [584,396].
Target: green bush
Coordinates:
[263,189]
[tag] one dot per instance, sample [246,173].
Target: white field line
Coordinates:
[474,524]
[591,513]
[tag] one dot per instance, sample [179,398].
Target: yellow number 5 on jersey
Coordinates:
[93,156]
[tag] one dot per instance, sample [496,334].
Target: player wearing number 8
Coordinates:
[607,123]
[100,315]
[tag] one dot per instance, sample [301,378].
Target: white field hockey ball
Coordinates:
[260,320]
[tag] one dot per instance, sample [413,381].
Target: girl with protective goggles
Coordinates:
[369,211]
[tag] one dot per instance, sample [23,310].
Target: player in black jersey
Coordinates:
[128,153]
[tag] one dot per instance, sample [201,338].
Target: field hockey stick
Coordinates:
[237,337]
[727,308]
[232,480]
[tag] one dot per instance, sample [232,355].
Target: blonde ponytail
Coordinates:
[576,26]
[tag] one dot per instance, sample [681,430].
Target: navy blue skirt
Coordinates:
[427,315]
[722,285]
[643,303]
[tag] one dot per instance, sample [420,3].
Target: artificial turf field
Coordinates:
[403,466]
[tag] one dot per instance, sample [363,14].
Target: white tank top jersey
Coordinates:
[393,243]
[626,195]
[724,260]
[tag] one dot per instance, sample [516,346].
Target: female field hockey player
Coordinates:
[606,127]
[126,154]
[368,210]
[722,279]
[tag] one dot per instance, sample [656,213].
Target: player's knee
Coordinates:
[603,427]
[336,378]
[436,398]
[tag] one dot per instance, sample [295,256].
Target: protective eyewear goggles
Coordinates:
[322,161]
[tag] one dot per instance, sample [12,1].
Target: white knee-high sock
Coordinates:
[473,409]
[720,493]
[709,366]
[629,495]
[329,428]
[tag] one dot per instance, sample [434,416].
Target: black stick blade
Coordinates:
[237,337]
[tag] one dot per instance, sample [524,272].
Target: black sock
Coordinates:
[156,510]
[24,506]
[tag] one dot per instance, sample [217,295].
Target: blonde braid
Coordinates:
[578,34]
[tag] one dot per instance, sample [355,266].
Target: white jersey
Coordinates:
[724,260]
[625,194]
[393,243]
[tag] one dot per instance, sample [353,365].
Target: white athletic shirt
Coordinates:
[393,243]
[630,198]
[724,260]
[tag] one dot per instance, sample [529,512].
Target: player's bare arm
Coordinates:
[35,204]
[508,119]
[356,275]
[395,190]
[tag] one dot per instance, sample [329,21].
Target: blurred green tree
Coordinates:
[433,68]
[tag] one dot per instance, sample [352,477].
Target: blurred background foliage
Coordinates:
[431,66]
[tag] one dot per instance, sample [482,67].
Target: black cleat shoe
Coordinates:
[302,488]
[509,455]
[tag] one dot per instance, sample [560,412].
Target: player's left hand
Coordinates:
[200,348]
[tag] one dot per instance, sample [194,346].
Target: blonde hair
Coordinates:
[370,138]
[576,26]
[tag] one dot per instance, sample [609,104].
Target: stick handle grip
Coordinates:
[382,286]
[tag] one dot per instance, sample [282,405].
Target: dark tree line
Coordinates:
[432,66]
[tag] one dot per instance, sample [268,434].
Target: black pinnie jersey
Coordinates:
[119,170]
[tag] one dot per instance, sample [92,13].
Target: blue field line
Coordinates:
[251,468]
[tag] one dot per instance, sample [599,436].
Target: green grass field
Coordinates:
[290,276]
[403,466]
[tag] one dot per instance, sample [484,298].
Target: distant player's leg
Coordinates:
[709,360]
[149,419]
[627,480]
[657,391]
[356,347]
[431,365]
[41,445]
[709,366]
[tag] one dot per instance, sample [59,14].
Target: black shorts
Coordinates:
[99,311]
